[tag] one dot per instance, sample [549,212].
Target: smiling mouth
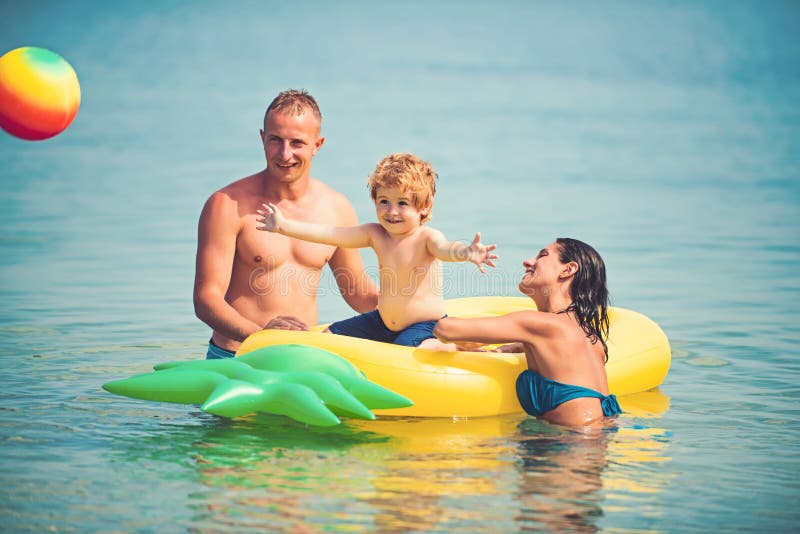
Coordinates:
[285,166]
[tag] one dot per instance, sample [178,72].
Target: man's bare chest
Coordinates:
[269,251]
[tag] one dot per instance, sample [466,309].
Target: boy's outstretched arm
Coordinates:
[272,220]
[475,252]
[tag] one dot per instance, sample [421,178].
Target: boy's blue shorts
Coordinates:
[370,326]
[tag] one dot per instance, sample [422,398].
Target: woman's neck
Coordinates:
[552,301]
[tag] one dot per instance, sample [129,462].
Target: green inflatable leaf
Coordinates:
[295,357]
[191,387]
[308,384]
[236,398]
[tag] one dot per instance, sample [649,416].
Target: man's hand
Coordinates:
[271,218]
[286,322]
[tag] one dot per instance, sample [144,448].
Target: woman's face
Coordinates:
[541,271]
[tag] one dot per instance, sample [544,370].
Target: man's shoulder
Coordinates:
[328,199]
[240,191]
[323,191]
[241,188]
[230,199]
[331,205]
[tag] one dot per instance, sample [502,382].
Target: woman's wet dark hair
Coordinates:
[588,289]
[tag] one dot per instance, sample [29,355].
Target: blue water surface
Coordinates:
[666,134]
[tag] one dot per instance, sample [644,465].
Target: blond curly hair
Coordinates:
[409,173]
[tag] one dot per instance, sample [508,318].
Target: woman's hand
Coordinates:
[471,346]
[510,347]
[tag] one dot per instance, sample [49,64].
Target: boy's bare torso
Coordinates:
[410,278]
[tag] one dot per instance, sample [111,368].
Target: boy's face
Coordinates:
[396,211]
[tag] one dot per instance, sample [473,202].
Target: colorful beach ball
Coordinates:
[39,93]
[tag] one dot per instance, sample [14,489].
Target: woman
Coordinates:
[564,341]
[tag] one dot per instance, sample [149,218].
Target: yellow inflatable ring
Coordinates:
[476,384]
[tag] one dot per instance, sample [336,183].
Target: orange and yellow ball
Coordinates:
[39,93]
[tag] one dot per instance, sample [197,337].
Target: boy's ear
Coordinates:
[425,212]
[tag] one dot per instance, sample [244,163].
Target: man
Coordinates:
[246,280]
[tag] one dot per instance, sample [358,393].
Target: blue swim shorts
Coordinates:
[216,352]
[370,326]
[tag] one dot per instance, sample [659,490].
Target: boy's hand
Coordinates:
[471,346]
[479,253]
[271,218]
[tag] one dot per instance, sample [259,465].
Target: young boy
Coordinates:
[410,297]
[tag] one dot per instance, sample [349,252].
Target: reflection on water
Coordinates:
[509,473]
[441,473]
[560,478]
[572,481]
[664,133]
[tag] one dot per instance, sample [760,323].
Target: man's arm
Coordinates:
[272,220]
[356,287]
[476,252]
[216,248]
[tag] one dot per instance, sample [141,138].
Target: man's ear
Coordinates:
[318,144]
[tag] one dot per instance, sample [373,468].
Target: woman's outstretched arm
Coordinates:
[503,329]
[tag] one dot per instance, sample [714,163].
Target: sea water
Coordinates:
[665,134]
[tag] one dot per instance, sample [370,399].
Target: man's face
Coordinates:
[290,142]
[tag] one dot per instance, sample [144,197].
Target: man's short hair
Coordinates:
[294,102]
